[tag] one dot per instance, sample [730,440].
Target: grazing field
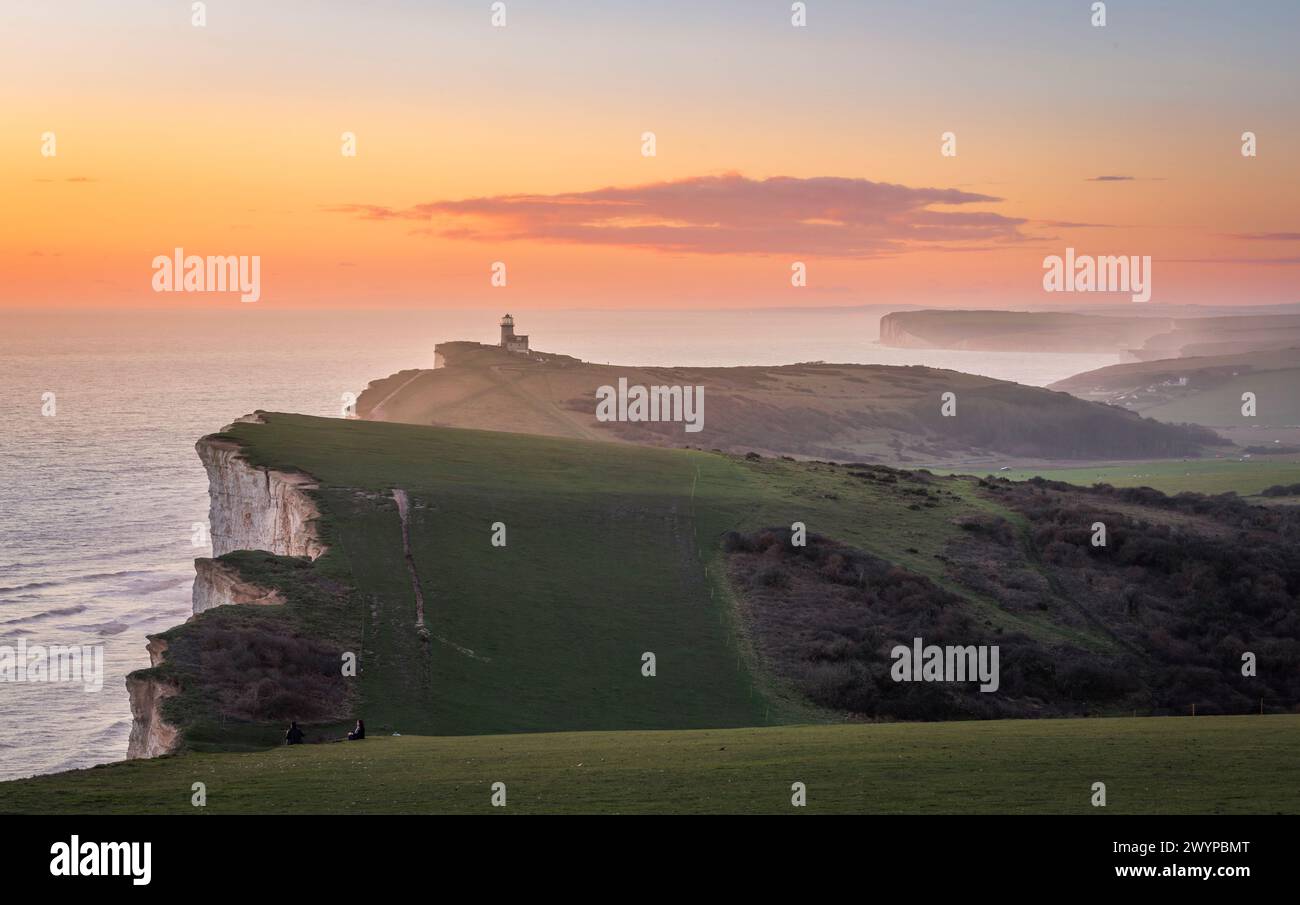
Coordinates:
[1278,402]
[1203,390]
[1167,765]
[1210,476]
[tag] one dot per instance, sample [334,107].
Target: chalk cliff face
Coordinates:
[218,584]
[254,508]
[249,508]
[894,335]
[151,735]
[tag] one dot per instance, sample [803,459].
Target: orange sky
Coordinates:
[226,140]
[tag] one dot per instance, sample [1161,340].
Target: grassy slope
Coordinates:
[1213,396]
[612,551]
[1127,376]
[600,566]
[1277,396]
[1198,475]
[1159,765]
[841,412]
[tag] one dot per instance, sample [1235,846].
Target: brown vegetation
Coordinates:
[1183,589]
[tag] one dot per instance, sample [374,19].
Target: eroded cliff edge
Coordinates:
[151,734]
[250,508]
[256,508]
[217,583]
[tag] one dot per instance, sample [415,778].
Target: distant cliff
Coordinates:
[1230,335]
[1136,338]
[1018,331]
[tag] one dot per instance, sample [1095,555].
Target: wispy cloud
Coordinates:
[1071,224]
[1267,261]
[1125,179]
[728,214]
[1266,237]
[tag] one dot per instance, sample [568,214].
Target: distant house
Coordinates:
[511,341]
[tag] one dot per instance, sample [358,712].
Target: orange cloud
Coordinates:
[729,214]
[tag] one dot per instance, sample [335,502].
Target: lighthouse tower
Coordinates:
[511,341]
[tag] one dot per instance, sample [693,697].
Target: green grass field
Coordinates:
[1278,403]
[1168,476]
[1168,765]
[601,565]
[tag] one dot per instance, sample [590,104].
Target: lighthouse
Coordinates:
[511,341]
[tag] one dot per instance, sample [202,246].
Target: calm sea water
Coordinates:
[97,502]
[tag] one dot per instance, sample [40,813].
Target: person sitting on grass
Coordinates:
[358,733]
[295,735]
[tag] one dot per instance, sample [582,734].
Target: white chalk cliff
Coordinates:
[151,735]
[219,584]
[249,508]
[256,508]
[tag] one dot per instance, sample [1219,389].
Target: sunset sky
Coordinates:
[523,144]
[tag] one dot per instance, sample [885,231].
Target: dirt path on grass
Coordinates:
[403,510]
[376,410]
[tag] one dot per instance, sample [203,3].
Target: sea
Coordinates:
[101,490]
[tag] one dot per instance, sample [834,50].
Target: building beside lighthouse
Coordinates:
[510,340]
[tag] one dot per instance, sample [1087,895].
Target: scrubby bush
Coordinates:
[257,673]
[772,576]
[1172,583]
[1281,490]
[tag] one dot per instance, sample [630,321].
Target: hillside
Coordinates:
[1247,477]
[1142,336]
[614,551]
[839,412]
[1224,335]
[1029,331]
[1203,390]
